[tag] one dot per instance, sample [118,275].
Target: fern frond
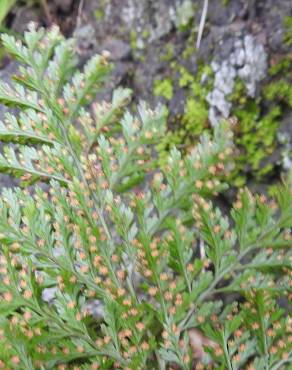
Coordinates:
[84,86]
[101,270]
[24,162]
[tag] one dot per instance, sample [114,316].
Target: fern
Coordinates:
[100,269]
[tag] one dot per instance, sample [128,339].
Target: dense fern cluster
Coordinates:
[99,270]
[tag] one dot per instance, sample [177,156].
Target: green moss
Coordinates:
[258,119]
[256,136]
[190,48]
[171,139]
[168,53]
[168,141]
[279,89]
[288,31]
[258,122]
[225,2]
[195,116]
[194,82]
[282,66]
[2,55]
[239,93]
[186,78]
[145,34]
[99,14]
[185,129]
[133,40]
[164,88]
[141,57]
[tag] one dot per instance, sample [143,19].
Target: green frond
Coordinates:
[99,269]
[27,129]
[24,162]
[84,86]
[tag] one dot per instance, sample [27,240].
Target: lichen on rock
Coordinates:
[248,62]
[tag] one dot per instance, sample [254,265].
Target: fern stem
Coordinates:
[34,172]
[280,363]
[260,303]
[77,163]
[183,268]
[226,353]
[26,135]
[211,289]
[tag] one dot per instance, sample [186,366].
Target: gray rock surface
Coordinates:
[248,62]
[5,75]
[48,294]
[285,140]
[254,65]
[95,308]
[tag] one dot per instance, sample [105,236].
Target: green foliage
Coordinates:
[196,116]
[257,126]
[5,7]
[164,88]
[190,46]
[187,128]
[258,120]
[196,109]
[168,52]
[99,14]
[255,138]
[288,31]
[158,261]
[133,40]
[279,89]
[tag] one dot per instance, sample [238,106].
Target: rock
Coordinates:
[255,67]
[215,66]
[23,16]
[237,58]
[287,159]
[7,181]
[6,73]
[163,21]
[64,5]
[247,61]
[184,13]
[48,294]
[177,103]
[226,47]
[285,140]
[223,86]
[227,40]
[95,308]
[221,15]
[119,49]
[217,101]
[224,78]
[85,36]
[272,15]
